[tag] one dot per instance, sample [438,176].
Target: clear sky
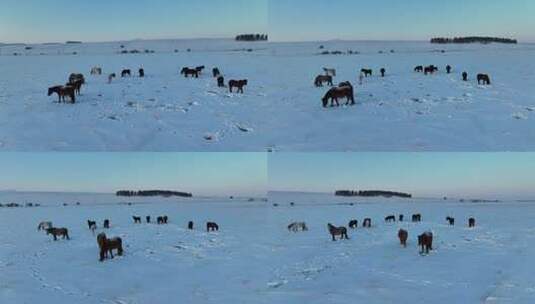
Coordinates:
[296,20]
[199,173]
[470,175]
[400,19]
[107,20]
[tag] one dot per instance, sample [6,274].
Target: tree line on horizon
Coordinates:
[473,39]
[372,193]
[165,193]
[252,37]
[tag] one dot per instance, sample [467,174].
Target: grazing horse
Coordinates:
[353,224]
[220,81]
[147,218]
[111,76]
[483,78]
[417,217]
[126,72]
[297,225]
[92,225]
[106,224]
[320,79]
[367,222]
[159,220]
[96,71]
[216,72]
[390,218]
[329,72]
[403,235]
[450,220]
[425,240]
[211,226]
[141,73]
[367,72]
[383,71]
[471,222]
[63,232]
[419,69]
[448,69]
[199,69]
[339,92]
[189,72]
[334,231]
[465,76]
[190,225]
[63,91]
[77,85]
[430,69]
[137,219]
[107,245]
[401,217]
[238,84]
[75,77]
[44,225]
[165,218]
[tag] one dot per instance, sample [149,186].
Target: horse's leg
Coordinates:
[334,239]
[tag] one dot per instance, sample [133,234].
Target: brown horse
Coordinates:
[220,81]
[211,226]
[77,85]
[367,223]
[471,222]
[341,231]
[339,92]
[403,235]
[425,240]
[107,245]
[483,78]
[238,84]
[63,91]
[189,72]
[63,232]
[320,79]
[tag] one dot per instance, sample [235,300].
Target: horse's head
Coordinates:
[183,71]
[325,99]
[50,91]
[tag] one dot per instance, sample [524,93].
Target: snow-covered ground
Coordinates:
[254,259]
[280,110]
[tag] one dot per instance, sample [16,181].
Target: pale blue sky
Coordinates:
[480,175]
[199,173]
[105,20]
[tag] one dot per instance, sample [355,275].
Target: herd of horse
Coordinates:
[345,89]
[425,240]
[106,245]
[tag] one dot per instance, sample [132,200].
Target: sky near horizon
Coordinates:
[200,173]
[469,175]
[296,20]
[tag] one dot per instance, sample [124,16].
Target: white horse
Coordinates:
[329,71]
[294,227]
[96,71]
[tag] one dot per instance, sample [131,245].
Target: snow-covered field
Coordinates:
[254,259]
[280,110]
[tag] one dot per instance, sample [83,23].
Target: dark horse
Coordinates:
[63,91]
[471,222]
[211,226]
[390,218]
[126,72]
[147,218]
[216,72]
[448,69]
[107,245]
[366,72]
[199,69]
[419,69]
[106,224]
[220,81]
[465,76]
[190,72]
[141,73]
[76,81]
[401,217]
[335,93]
[238,84]
[450,220]
[417,217]
[91,224]
[367,222]
[334,231]
[403,235]
[483,78]
[63,232]
[430,69]
[161,219]
[137,219]
[353,224]
[320,79]
[425,240]
[383,71]
[190,225]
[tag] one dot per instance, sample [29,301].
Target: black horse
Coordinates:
[450,220]
[353,224]
[390,218]
[216,72]
[419,69]
[383,71]
[106,224]
[137,219]
[126,72]
[190,225]
[448,69]
[220,81]
[367,72]
[141,73]
[211,226]
[465,76]
[483,78]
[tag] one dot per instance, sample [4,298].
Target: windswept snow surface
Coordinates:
[254,259]
[280,110]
